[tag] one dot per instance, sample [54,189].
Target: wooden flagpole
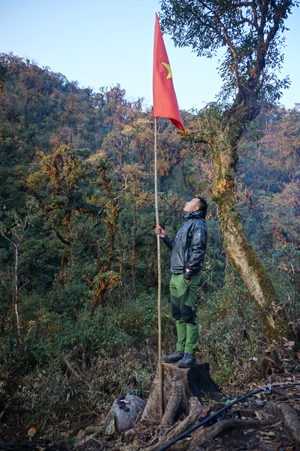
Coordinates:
[159,277]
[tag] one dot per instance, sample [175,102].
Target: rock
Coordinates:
[118,420]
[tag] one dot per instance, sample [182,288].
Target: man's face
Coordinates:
[132,384]
[192,205]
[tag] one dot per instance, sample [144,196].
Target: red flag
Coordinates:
[164,97]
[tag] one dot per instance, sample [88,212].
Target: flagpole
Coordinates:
[159,277]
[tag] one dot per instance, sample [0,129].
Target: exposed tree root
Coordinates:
[183,445]
[289,418]
[179,429]
[206,434]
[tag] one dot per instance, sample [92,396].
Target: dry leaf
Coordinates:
[80,434]
[278,446]
[289,343]
[204,411]
[31,432]
[258,415]
[276,424]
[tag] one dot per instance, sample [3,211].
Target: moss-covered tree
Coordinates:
[250,31]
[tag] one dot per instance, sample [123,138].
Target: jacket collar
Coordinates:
[195,215]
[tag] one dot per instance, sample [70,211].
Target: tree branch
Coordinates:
[2,281]
[4,236]
[230,45]
[59,236]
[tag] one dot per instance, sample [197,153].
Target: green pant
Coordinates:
[183,297]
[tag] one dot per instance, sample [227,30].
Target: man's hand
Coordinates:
[159,231]
[186,280]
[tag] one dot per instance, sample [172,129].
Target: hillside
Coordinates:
[78,251]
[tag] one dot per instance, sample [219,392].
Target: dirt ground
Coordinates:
[264,422]
[267,421]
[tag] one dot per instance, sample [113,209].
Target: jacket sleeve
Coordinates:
[198,251]
[168,241]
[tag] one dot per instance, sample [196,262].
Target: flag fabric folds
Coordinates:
[164,97]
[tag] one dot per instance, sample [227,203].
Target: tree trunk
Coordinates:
[16,293]
[244,258]
[133,254]
[183,389]
[120,280]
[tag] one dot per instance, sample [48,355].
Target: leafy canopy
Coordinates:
[248,30]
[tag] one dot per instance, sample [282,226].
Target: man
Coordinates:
[188,250]
[132,389]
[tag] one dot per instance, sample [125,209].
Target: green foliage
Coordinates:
[283,262]
[229,330]
[85,158]
[3,71]
[87,269]
[248,33]
[90,244]
[50,334]
[139,318]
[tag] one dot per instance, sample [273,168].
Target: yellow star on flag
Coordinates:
[167,66]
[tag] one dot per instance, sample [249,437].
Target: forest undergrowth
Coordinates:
[59,393]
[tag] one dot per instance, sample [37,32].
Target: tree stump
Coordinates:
[183,389]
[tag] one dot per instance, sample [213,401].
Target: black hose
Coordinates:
[267,390]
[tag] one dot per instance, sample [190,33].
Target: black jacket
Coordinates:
[189,246]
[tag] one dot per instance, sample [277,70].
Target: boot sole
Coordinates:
[171,361]
[186,366]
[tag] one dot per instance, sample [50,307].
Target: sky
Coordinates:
[100,43]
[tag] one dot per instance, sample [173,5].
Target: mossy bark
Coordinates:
[244,258]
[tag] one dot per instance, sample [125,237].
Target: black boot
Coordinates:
[172,358]
[187,361]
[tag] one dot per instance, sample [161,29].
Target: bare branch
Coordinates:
[246,20]
[230,45]
[205,24]
[59,236]
[2,281]
[112,200]
[4,236]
